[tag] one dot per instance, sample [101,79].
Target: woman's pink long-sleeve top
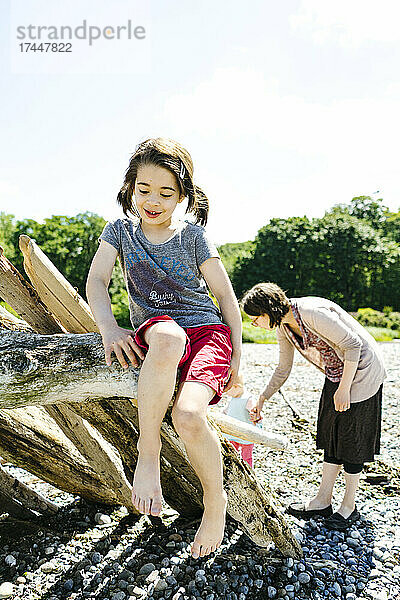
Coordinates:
[344,334]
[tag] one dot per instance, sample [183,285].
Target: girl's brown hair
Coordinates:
[174,157]
[266,299]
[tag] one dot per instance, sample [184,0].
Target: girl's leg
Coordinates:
[190,421]
[352,474]
[166,342]
[323,498]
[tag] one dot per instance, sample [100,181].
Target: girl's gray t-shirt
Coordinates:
[165,279]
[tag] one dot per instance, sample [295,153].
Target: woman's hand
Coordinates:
[233,371]
[121,342]
[341,399]
[255,407]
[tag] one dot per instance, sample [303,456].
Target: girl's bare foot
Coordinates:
[146,488]
[211,531]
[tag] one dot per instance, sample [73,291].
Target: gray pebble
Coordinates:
[118,596]
[102,519]
[10,560]
[337,589]
[147,569]
[304,577]
[68,585]
[96,558]
[48,567]
[6,589]
[271,591]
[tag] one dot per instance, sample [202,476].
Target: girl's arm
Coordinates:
[115,338]
[219,283]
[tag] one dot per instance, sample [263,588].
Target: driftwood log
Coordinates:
[71,420]
[38,370]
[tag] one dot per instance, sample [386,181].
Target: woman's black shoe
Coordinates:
[299,511]
[336,521]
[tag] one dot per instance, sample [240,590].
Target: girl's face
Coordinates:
[262,321]
[156,194]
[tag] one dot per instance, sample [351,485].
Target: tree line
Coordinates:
[350,255]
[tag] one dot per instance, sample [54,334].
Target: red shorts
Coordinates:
[207,355]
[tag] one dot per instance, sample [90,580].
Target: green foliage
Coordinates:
[374,318]
[340,256]
[119,298]
[232,252]
[383,335]
[257,335]
[9,308]
[6,234]
[69,242]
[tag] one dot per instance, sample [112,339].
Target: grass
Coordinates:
[381,334]
[257,335]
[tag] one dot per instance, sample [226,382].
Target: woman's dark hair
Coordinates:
[170,155]
[266,299]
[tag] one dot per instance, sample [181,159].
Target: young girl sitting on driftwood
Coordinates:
[168,264]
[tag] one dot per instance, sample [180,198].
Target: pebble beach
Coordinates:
[96,552]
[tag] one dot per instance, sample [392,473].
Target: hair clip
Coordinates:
[182,171]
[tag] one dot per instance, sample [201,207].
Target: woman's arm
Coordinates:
[342,395]
[278,378]
[219,283]
[115,338]
[329,325]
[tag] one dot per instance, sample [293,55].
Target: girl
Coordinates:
[177,324]
[349,417]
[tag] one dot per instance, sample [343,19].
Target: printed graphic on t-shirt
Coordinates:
[145,283]
[170,265]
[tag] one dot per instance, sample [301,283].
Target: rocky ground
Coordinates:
[89,552]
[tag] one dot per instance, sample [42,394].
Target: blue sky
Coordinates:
[287,108]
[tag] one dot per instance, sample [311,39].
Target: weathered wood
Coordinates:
[14,490]
[247,432]
[116,419]
[92,447]
[66,365]
[12,323]
[30,439]
[23,298]
[72,368]
[61,299]
[98,453]
[14,508]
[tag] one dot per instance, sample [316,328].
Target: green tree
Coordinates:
[69,242]
[340,256]
[230,254]
[6,235]
[283,253]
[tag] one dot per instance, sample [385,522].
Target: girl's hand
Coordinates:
[233,371]
[341,399]
[121,342]
[255,407]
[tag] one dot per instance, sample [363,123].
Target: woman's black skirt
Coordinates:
[353,435]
